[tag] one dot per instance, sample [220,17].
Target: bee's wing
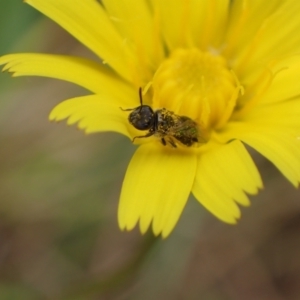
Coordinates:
[188,127]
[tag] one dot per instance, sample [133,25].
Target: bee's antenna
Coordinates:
[141,96]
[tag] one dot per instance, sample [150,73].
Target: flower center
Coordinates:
[198,85]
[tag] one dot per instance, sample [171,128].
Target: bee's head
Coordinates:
[142,117]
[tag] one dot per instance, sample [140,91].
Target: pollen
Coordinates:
[196,84]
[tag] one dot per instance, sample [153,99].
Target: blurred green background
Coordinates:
[59,193]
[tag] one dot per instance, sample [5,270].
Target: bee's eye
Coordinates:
[142,117]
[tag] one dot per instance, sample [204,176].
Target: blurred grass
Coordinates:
[59,193]
[15,19]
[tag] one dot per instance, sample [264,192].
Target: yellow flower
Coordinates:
[230,66]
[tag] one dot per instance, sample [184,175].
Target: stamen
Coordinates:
[198,85]
[231,103]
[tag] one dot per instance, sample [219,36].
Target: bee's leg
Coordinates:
[172,143]
[143,136]
[163,141]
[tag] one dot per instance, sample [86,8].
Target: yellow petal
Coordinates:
[246,17]
[282,115]
[156,187]
[223,176]
[86,73]
[135,23]
[93,113]
[282,151]
[281,147]
[274,131]
[285,84]
[88,22]
[275,82]
[193,22]
[257,30]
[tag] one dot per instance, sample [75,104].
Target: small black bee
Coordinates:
[164,124]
